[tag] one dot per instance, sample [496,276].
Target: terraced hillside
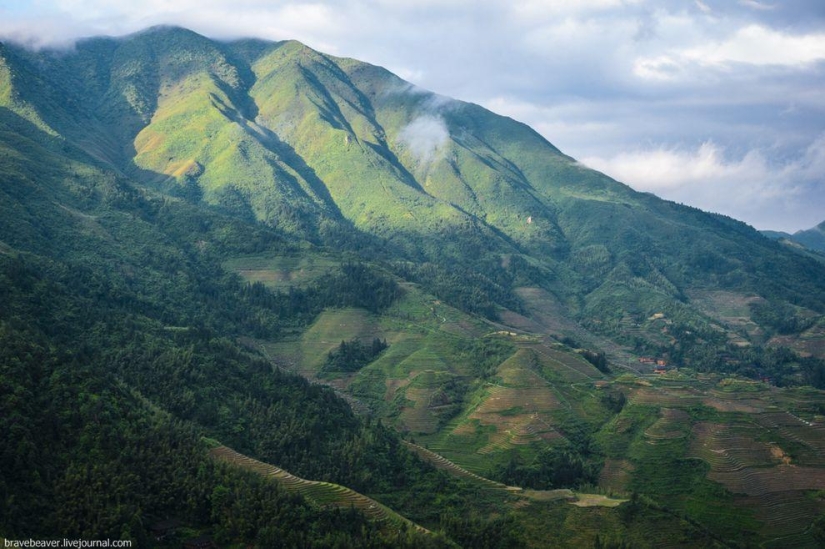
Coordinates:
[687,440]
[738,440]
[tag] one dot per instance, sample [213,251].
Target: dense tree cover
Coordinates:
[351,356]
[600,543]
[613,400]
[551,468]
[85,456]
[485,355]
[780,317]
[597,359]
[483,533]
[351,285]
[90,369]
[480,287]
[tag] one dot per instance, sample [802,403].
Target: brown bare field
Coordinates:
[763,474]
[808,436]
[734,405]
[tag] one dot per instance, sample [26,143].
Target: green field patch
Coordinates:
[595,500]
[786,516]
[562,494]
[672,423]
[441,462]
[282,272]
[435,397]
[424,358]
[564,366]
[369,385]
[670,397]
[617,435]
[510,416]
[615,475]
[328,331]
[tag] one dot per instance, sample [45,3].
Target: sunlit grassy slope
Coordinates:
[335,149]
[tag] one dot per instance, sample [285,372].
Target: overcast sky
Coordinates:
[719,104]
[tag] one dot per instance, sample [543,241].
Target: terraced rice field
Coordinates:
[811,341]
[808,435]
[785,515]
[568,366]
[672,424]
[616,474]
[518,407]
[524,495]
[440,462]
[763,475]
[733,402]
[422,358]
[596,500]
[670,397]
[730,308]
[321,493]
[329,330]
[306,354]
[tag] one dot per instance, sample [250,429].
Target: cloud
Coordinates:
[758,45]
[704,8]
[757,5]
[749,187]
[753,45]
[424,137]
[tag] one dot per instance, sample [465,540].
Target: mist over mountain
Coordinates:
[191,229]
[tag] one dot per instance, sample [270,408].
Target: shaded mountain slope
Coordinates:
[812,238]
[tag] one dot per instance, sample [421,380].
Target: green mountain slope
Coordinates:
[190,227]
[315,145]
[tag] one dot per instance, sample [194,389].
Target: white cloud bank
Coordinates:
[749,187]
[754,45]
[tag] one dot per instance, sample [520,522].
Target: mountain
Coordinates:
[813,239]
[191,229]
